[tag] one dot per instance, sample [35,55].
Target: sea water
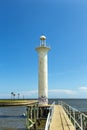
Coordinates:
[11,118]
[79,104]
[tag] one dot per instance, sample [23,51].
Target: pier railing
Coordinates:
[78,119]
[49,117]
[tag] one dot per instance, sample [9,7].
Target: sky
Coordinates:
[64,23]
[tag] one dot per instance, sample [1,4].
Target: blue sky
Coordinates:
[64,23]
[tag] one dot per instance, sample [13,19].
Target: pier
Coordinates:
[60,120]
[55,117]
[48,117]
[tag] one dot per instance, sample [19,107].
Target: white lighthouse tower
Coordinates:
[43,71]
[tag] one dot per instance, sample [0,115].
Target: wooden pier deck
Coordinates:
[60,120]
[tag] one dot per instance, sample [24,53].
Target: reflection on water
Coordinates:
[11,118]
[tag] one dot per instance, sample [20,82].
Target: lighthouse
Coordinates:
[43,71]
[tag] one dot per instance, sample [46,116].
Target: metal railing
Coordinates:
[78,119]
[49,117]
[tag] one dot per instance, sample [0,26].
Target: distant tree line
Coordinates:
[13,95]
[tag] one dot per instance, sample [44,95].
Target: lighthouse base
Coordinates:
[43,100]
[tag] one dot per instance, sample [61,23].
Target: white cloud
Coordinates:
[26,94]
[53,93]
[63,91]
[83,89]
[29,93]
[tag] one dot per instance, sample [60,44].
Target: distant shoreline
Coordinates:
[15,102]
[25,102]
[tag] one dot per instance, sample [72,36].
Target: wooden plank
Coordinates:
[65,120]
[60,120]
[56,120]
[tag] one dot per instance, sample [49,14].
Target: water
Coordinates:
[11,117]
[79,104]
